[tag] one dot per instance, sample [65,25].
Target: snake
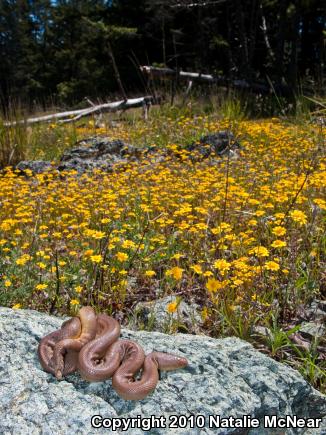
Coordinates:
[91,345]
[69,329]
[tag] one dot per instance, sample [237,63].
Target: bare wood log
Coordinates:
[170,73]
[89,101]
[188,88]
[111,107]
[187,92]
[75,115]
[46,118]
[153,72]
[196,4]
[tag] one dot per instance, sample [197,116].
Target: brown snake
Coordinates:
[91,344]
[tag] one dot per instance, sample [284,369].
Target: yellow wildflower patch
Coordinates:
[175,272]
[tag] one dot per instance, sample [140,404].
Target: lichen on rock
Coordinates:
[225,377]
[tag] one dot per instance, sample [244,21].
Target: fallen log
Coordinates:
[196,4]
[169,72]
[75,115]
[242,84]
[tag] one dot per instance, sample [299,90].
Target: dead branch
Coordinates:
[75,115]
[171,74]
[196,4]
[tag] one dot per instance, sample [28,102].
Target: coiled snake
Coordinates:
[90,344]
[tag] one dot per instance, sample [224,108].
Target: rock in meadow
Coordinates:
[102,153]
[219,143]
[154,315]
[225,377]
[35,166]
[91,153]
[97,153]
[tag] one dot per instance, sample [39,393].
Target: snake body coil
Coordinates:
[91,344]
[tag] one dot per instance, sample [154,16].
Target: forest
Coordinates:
[62,51]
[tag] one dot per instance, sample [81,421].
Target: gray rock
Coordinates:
[317,311]
[312,320]
[225,377]
[154,315]
[104,154]
[36,166]
[219,143]
[261,331]
[97,153]
[312,329]
[89,154]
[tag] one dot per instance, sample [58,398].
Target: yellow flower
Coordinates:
[278,244]
[122,256]
[237,282]
[240,264]
[41,286]
[320,202]
[150,273]
[128,244]
[213,285]
[299,217]
[208,273]
[96,258]
[7,283]
[98,235]
[259,251]
[79,288]
[176,272]
[88,252]
[73,253]
[279,231]
[16,306]
[271,265]
[177,256]
[222,265]
[172,307]
[21,261]
[197,269]
[41,265]
[105,220]
[74,302]
[204,313]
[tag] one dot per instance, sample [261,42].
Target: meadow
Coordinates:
[244,237]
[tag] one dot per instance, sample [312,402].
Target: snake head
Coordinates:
[58,375]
